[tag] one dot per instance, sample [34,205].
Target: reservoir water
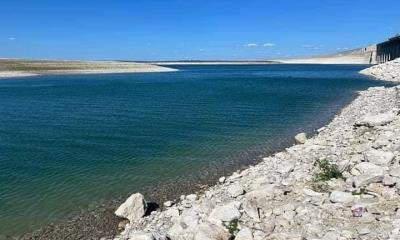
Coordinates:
[67,142]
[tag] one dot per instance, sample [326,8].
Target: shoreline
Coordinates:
[19,74]
[389,71]
[144,225]
[279,198]
[16,68]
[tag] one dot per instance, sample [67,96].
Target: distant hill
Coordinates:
[355,56]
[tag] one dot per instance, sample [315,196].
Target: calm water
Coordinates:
[70,141]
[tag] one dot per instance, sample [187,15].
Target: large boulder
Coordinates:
[244,234]
[184,227]
[207,231]
[257,200]
[369,173]
[235,190]
[377,120]
[378,157]
[133,208]
[395,172]
[225,213]
[300,138]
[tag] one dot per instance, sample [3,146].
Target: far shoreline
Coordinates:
[17,68]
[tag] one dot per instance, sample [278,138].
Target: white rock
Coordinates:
[341,197]
[395,172]
[235,190]
[311,193]
[300,138]
[258,199]
[133,208]
[244,234]
[331,235]
[379,157]
[389,181]
[147,236]
[225,213]
[377,120]
[285,167]
[192,197]
[207,231]
[221,179]
[370,173]
[168,203]
[363,230]
[370,169]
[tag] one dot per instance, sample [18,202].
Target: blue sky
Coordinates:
[191,29]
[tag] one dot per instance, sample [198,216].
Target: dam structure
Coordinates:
[389,50]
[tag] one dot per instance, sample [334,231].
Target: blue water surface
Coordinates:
[70,141]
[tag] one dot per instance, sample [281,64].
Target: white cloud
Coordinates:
[269,45]
[251,45]
[11,38]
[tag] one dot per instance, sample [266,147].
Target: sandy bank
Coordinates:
[22,68]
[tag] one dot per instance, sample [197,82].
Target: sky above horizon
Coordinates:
[191,29]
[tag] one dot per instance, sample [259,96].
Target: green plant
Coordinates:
[232,227]
[327,171]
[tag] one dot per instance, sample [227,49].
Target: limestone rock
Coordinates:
[389,181]
[244,234]
[235,190]
[256,200]
[377,120]
[147,236]
[225,213]
[221,179]
[378,157]
[341,197]
[192,197]
[168,204]
[207,231]
[133,208]
[395,172]
[300,138]
[370,173]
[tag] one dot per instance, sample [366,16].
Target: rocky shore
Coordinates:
[389,71]
[344,183]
